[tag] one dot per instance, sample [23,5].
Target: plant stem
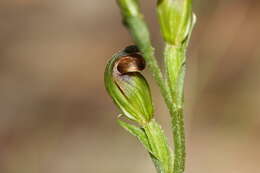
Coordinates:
[175,72]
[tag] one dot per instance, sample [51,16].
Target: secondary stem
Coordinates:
[175,72]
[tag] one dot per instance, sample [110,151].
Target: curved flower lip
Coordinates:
[131,63]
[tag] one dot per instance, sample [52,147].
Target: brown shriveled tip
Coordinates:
[131,63]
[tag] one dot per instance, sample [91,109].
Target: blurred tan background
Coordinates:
[55,116]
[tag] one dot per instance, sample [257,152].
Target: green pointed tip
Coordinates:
[127,87]
[175,18]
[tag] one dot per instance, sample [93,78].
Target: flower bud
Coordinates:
[127,87]
[176,20]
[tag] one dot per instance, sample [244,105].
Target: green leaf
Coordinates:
[159,145]
[142,137]
[137,132]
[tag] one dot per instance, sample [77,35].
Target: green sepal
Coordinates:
[175,18]
[193,23]
[129,91]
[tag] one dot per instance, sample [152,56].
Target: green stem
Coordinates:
[175,72]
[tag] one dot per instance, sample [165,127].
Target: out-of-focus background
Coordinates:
[55,116]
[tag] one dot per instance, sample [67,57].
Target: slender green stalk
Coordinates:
[175,72]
